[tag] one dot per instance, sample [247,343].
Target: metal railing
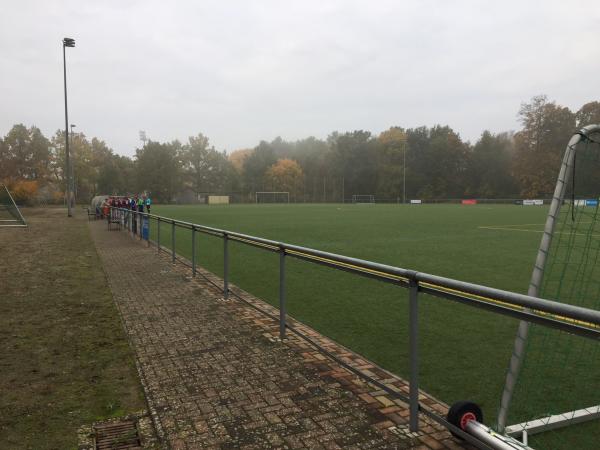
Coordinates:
[572,319]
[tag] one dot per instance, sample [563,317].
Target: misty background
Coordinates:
[241,72]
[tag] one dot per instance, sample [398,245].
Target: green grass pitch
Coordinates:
[464,351]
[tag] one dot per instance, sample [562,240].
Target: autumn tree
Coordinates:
[540,145]
[587,169]
[437,161]
[158,169]
[23,191]
[113,173]
[391,152]
[84,172]
[285,176]
[237,158]
[314,157]
[255,166]
[353,161]
[489,173]
[196,164]
[25,154]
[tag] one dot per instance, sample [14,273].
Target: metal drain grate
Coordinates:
[117,436]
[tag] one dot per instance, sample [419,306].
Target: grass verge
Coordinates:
[64,360]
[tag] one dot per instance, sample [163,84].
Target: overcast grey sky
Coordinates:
[242,71]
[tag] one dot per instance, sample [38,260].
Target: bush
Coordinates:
[23,191]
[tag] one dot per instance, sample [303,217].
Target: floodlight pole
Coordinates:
[67,42]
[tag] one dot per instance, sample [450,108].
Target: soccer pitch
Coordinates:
[464,351]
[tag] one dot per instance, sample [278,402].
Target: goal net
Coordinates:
[10,216]
[272,197]
[362,198]
[553,378]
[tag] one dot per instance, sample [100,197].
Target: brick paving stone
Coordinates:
[215,374]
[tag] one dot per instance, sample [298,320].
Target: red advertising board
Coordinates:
[469,201]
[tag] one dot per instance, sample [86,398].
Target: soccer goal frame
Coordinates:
[519,350]
[8,204]
[264,196]
[363,198]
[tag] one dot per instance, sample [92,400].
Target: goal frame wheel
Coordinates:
[462,412]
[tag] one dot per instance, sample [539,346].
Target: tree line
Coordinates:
[423,162]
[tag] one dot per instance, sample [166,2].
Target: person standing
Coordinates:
[105,208]
[134,218]
[148,204]
[140,204]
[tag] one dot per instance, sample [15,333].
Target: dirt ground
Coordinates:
[64,357]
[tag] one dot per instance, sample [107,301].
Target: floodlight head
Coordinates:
[69,42]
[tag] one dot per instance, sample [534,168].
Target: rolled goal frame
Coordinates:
[8,204]
[518,355]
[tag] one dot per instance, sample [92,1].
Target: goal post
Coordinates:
[567,270]
[363,198]
[272,197]
[10,215]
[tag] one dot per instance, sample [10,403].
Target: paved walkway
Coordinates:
[215,375]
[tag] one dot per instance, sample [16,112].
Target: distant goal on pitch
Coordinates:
[363,198]
[272,197]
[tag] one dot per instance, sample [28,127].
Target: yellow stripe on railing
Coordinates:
[444,289]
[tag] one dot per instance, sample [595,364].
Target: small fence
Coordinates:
[250,198]
[572,319]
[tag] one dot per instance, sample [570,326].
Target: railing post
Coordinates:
[225,266]
[193,251]
[148,235]
[158,235]
[414,355]
[173,240]
[282,322]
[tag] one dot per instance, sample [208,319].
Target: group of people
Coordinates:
[138,203]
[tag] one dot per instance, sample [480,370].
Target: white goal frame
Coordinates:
[518,354]
[274,194]
[19,220]
[358,198]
